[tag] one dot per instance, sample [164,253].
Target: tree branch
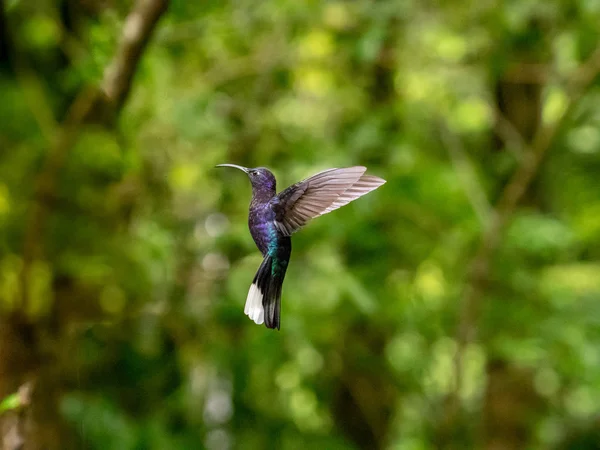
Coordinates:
[138,29]
[466,173]
[512,139]
[90,104]
[115,86]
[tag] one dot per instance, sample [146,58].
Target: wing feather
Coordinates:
[320,194]
[364,185]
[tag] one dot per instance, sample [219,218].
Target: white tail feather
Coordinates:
[254,307]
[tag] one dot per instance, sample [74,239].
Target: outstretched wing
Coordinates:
[320,194]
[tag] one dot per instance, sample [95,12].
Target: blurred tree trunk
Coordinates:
[34,360]
[18,363]
[511,404]
[510,400]
[4,39]
[366,397]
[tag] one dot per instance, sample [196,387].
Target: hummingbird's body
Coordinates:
[273,217]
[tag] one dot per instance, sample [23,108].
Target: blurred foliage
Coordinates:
[146,259]
[10,402]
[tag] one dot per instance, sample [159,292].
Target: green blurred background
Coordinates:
[458,306]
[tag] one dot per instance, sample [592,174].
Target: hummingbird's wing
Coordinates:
[320,194]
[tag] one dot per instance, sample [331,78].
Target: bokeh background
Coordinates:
[457,307]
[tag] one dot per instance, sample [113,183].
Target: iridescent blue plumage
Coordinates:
[274,217]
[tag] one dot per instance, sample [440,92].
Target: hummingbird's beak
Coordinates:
[245,169]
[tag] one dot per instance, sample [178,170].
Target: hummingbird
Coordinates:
[273,218]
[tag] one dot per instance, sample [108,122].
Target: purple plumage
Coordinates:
[274,217]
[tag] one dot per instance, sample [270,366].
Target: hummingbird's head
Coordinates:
[261,178]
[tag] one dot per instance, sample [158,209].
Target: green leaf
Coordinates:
[13,401]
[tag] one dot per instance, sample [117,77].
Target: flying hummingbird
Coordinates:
[274,217]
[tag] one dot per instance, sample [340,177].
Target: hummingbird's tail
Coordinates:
[263,303]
